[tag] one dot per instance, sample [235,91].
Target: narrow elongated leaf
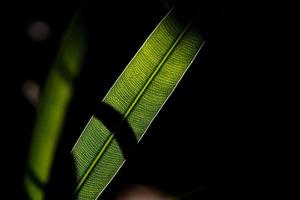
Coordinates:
[51,111]
[132,103]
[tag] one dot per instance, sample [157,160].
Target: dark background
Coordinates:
[213,132]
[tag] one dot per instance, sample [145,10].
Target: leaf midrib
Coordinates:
[131,107]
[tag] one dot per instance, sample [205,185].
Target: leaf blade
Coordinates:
[138,95]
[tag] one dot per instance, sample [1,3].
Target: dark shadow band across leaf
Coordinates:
[35,180]
[112,119]
[61,183]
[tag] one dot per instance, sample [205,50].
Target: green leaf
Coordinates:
[136,97]
[52,109]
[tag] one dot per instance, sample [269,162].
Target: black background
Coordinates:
[213,133]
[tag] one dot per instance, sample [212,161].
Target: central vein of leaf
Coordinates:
[131,107]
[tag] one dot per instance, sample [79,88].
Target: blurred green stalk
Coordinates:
[52,109]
